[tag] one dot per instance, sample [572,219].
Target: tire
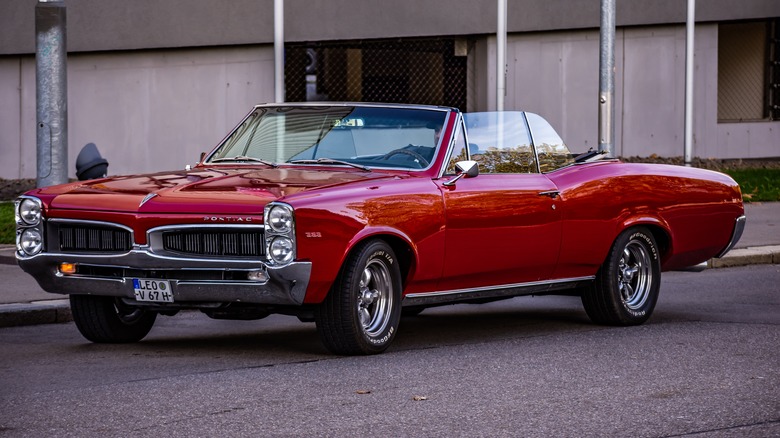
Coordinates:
[627,284]
[108,320]
[361,313]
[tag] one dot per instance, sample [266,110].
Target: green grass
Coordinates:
[7,225]
[758,185]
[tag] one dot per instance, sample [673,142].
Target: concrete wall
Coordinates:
[555,74]
[96,25]
[145,110]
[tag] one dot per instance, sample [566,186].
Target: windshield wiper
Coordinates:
[244,158]
[330,161]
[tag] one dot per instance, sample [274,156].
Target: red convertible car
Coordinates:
[351,214]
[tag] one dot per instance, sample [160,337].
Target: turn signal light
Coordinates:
[67,268]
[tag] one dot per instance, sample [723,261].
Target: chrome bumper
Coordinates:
[284,285]
[739,227]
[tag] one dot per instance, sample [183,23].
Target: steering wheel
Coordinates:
[423,162]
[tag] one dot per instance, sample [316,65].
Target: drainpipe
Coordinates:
[51,93]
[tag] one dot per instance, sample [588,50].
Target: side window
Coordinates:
[553,153]
[458,151]
[500,142]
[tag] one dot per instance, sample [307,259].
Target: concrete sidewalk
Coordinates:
[23,302]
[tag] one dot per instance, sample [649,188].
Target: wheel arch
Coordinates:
[657,227]
[405,251]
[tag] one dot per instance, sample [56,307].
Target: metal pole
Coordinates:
[689,28]
[607,77]
[51,93]
[501,56]
[279,50]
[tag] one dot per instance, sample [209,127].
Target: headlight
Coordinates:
[28,212]
[281,250]
[280,219]
[30,241]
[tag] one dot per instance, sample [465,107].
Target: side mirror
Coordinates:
[89,163]
[469,169]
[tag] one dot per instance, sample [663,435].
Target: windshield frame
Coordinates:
[262,109]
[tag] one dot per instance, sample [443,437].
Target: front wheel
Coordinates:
[627,284]
[109,320]
[360,315]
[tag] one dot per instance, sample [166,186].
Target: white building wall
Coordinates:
[555,74]
[146,111]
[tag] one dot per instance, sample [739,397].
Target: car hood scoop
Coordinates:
[208,191]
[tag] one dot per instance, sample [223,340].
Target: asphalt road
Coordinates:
[706,364]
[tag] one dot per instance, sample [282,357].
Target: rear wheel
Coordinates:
[361,312]
[627,284]
[109,320]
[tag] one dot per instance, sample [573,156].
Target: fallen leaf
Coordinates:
[363,391]
[419,398]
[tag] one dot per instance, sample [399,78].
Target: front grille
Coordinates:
[93,238]
[245,243]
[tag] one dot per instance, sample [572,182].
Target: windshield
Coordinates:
[404,138]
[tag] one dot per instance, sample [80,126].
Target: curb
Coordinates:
[757,255]
[58,311]
[37,312]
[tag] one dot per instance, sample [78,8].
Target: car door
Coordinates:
[503,227]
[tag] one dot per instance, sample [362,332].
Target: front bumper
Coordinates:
[192,280]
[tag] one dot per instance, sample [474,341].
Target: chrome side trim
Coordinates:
[494,292]
[739,227]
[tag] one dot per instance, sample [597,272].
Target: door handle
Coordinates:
[552,194]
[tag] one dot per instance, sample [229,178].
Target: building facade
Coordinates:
[154,83]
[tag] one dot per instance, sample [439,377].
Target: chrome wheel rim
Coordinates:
[635,275]
[375,298]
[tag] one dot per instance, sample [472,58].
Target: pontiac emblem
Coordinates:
[146,198]
[228,219]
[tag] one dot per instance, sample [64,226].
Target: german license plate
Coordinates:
[155,291]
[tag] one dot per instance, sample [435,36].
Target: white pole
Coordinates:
[279,50]
[501,56]
[689,27]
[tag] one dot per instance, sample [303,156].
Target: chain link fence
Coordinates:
[419,71]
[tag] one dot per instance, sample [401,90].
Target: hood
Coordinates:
[208,191]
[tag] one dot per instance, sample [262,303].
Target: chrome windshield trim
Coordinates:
[739,227]
[497,291]
[459,126]
[206,162]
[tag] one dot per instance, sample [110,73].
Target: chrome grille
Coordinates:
[244,243]
[93,238]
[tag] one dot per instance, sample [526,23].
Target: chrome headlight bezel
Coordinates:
[279,223]
[28,211]
[280,219]
[29,241]
[29,217]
